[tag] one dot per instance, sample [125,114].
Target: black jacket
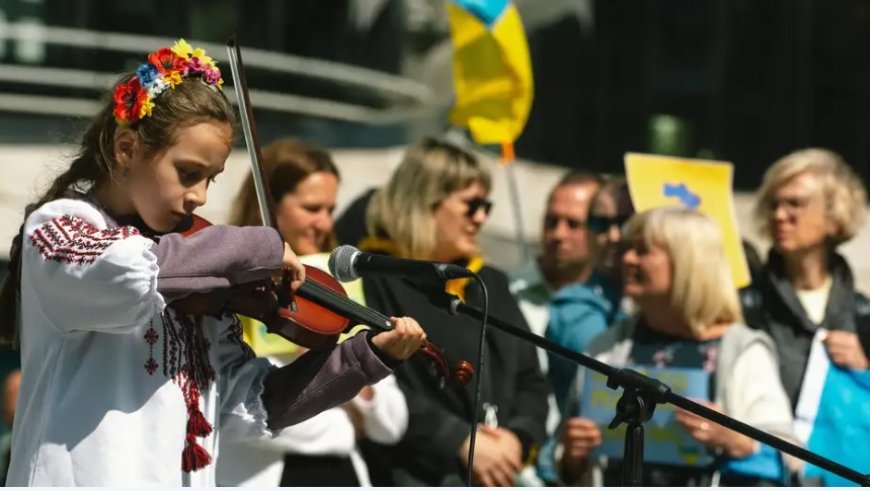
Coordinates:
[440,418]
[771,304]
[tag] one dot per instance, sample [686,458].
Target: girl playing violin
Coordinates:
[118,385]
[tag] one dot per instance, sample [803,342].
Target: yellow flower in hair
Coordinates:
[204,58]
[145,109]
[182,48]
[173,79]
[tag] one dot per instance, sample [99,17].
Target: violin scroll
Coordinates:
[461,373]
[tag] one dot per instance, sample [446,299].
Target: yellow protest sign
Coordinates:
[704,185]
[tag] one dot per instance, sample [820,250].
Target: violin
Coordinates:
[323,310]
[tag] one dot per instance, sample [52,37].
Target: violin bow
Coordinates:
[260,176]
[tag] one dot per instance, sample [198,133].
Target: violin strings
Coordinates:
[363,313]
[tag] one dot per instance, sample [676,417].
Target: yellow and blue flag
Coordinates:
[492,70]
[831,414]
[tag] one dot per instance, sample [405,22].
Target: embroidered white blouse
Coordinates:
[117,389]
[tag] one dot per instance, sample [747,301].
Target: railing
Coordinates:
[408,97]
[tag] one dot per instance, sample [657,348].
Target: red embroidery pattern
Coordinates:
[70,239]
[186,361]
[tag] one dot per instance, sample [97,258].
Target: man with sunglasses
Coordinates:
[564,257]
[564,260]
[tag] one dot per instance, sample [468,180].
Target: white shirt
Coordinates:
[815,301]
[105,373]
[533,295]
[259,462]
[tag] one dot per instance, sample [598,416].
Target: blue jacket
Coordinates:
[578,313]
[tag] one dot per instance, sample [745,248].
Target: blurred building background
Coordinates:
[744,81]
[738,80]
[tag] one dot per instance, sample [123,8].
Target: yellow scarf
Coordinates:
[453,287]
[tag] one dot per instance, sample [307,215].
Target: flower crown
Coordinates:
[165,69]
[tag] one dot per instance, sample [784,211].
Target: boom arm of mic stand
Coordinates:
[648,390]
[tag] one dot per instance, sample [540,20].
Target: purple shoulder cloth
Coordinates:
[320,380]
[216,257]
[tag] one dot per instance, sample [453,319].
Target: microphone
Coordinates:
[348,263]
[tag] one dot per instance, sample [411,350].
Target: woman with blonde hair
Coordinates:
[432,209]
[675,271]
[810,203]
[321,451]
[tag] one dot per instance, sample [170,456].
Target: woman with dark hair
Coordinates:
[321,451]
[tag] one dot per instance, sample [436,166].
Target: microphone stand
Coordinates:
[640,396]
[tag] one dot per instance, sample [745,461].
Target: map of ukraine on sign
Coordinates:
[665,440]
[703,185]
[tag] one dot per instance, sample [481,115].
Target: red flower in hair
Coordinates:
[128,101]
[166,61]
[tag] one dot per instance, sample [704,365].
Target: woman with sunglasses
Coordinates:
[432,209]
[610,210]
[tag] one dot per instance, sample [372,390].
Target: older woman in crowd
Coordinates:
[674,270]
[432,209]
[810,203]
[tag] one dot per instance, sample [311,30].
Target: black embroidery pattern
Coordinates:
[71,240]
[236,335]
[151,338]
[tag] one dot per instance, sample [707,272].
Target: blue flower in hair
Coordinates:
[146,74]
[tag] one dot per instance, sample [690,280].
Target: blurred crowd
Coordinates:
[650,289]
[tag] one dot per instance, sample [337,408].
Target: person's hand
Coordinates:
[293,267]
[579,437]
[713,435]
[845,350]
[493,463]
[403,340]
[510,443]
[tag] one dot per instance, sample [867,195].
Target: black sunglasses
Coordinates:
[599,224]
[552,221]
[475,204]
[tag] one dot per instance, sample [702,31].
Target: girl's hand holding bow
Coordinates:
[403,340]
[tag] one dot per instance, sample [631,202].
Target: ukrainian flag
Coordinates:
[491,69]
